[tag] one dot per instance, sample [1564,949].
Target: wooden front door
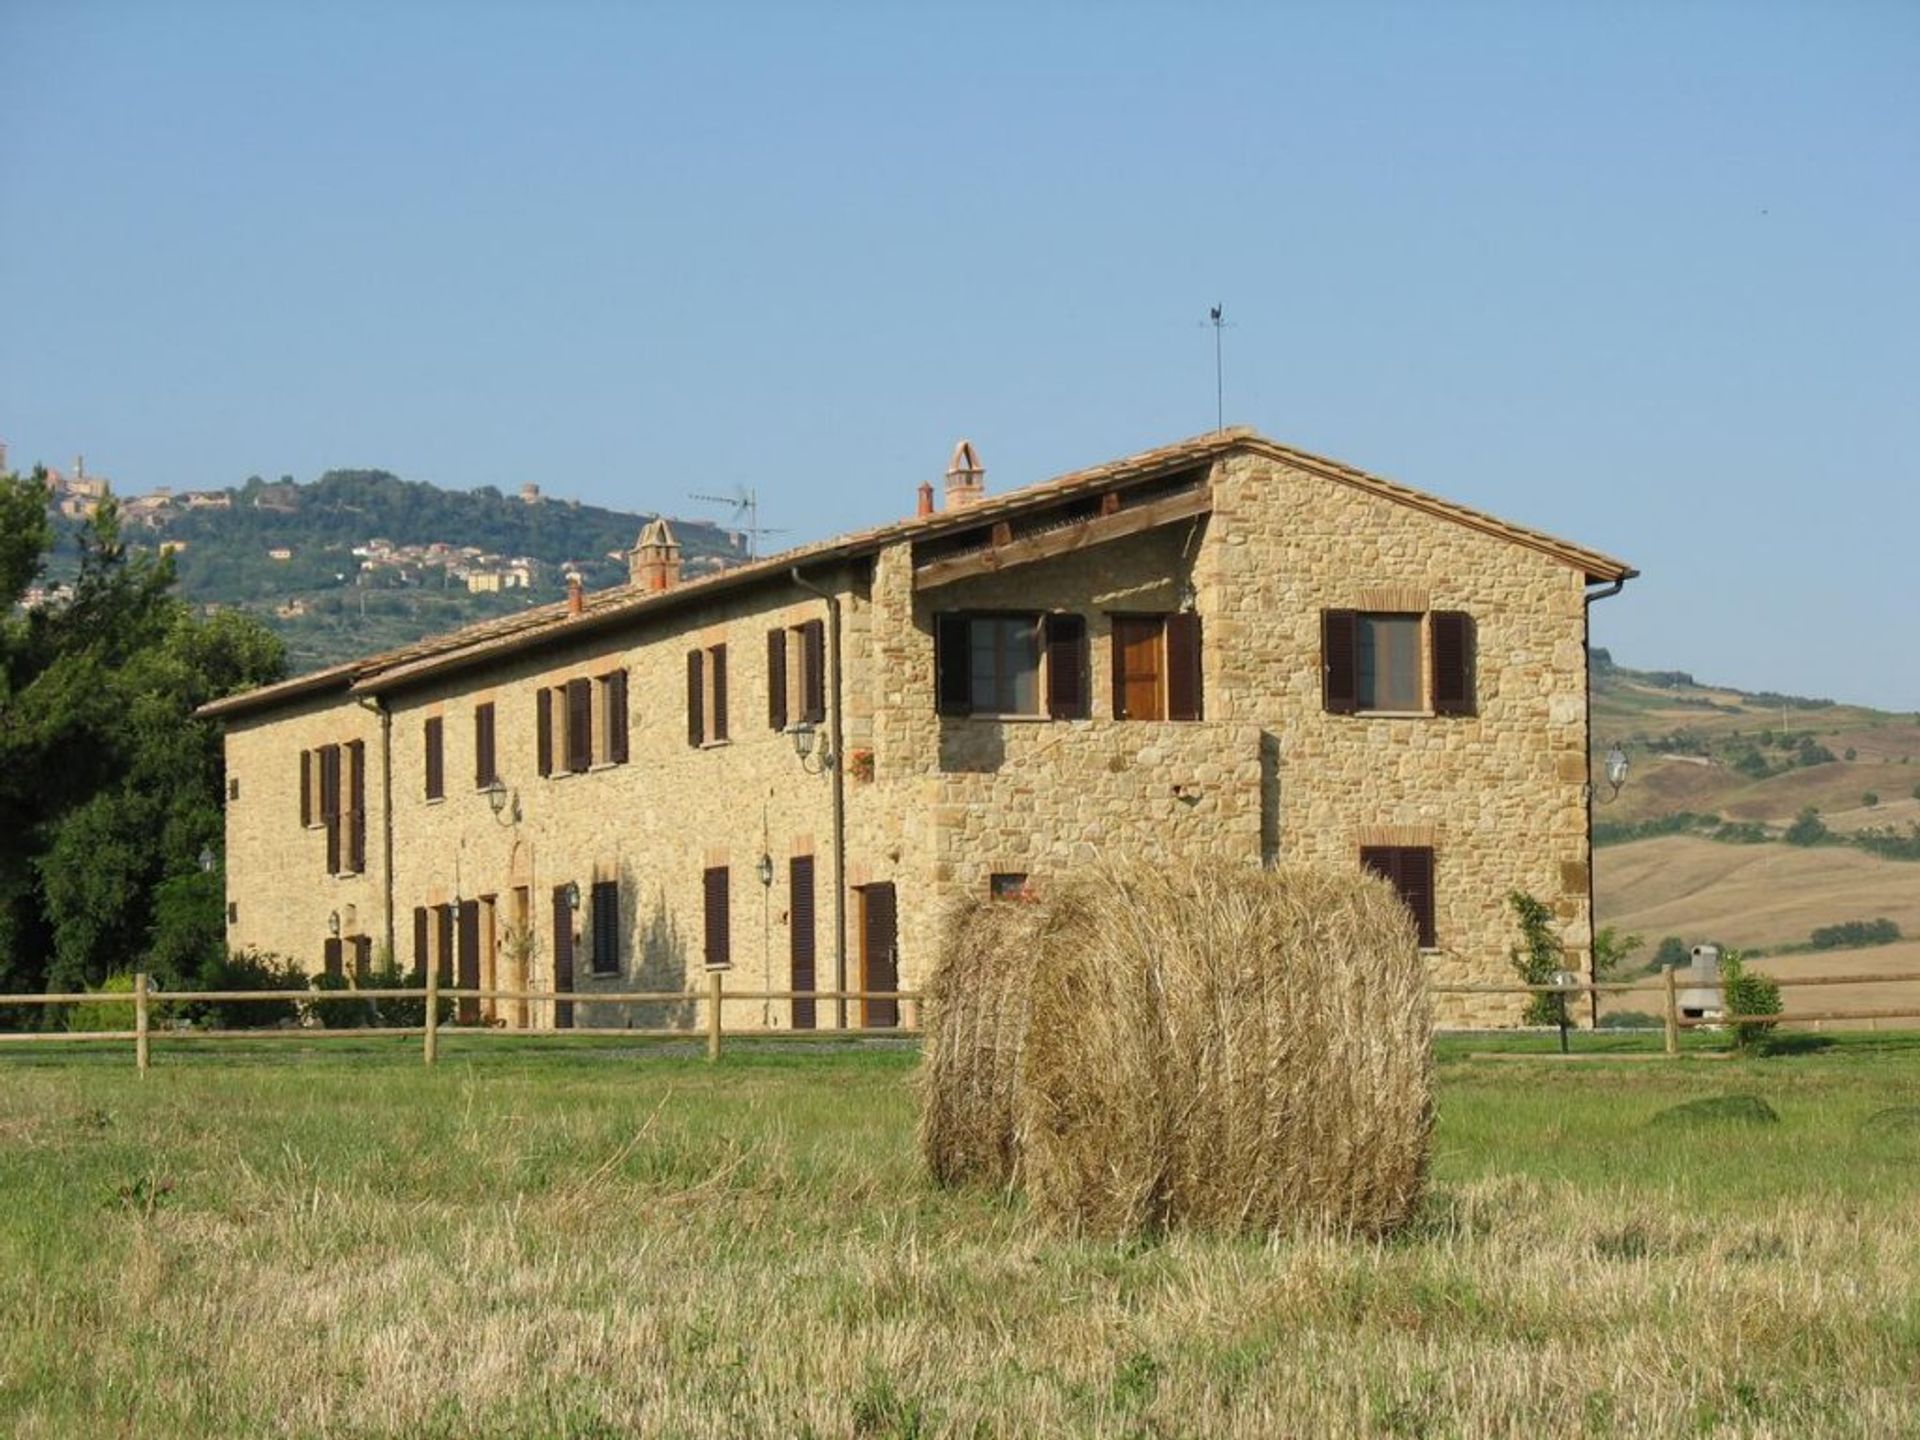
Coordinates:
[879,954]
[562,958]
[1138,686]
[801,924]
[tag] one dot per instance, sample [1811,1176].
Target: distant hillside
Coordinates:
[360,560]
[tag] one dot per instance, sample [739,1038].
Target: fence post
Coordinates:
[432,1048]
[714,980]
[1673,1013]
[140,1055]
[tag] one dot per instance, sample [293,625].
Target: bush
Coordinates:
[1745,993]
[337,1007]
[116,1016]
[1807,828]
[1852,934]
[1811,752]
[1870,799]
[1852,754]
[1672,953]
[1538,957]
[250,970]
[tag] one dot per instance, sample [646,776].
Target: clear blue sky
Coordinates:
[1645,275]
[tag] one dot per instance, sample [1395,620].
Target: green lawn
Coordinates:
[576,1238]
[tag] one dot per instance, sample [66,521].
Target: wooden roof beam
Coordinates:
[1095,530]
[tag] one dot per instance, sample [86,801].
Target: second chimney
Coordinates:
[576,597]
[654,562]
[966,477]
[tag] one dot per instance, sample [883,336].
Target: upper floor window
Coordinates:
[567,717]
[436,759]
[333,797]
[1156,667]
[1021,663]
[1398,662]
[486,768]
[707,695]
[797,675]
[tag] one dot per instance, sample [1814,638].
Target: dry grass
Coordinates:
[587,1243]
[1234,1048]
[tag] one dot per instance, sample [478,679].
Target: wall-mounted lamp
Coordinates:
[805,736]
[765,870]
[206,859]
[573,894]
[1616,772]
[505,804]
[333,924]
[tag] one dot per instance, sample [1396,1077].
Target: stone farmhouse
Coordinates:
[1224,647]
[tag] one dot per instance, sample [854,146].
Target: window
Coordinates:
[797,675]
[1011,664]
[1007,885]
[233,787]
[1156,667]
[436,759]
[605,919]
[362,958]
[707,696]
[719,932]
[356,816]
[233,912]
[1409,869]
[486,768]
[1398,662]
[330,958]
[579,726]
[611,690]
[327,767]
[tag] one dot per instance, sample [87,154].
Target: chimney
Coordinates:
[966,477]
[576,598]
[653,564]
[926,495]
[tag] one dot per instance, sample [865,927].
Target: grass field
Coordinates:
[581,1240]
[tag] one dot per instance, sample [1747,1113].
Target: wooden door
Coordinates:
[519,950]
[1139,683]
[800,922]
[879,954]
[562,958]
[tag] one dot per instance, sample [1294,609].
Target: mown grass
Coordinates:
[580,1239]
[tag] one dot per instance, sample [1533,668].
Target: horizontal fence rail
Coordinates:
[146,1001]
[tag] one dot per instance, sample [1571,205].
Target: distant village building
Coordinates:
[530,494]
[1225,648]
[280,552]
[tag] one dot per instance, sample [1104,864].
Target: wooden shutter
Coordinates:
[953,665]
[800,920]
[484,768]
[468,974]
[357,806]
[579,725]
[880,947]
[606,927]
[436,759]
[719,929]
[306,788]
[1184,700]
[330,957]
[776,679]
[543,729]
[420,946]
[1066,641]
[562,957]
[1409,869]
[717,656]
[362,959]
[1453,662]
[696,699]
[813,641]
[617,717]
[330,803]
[1339,663]
[444,949]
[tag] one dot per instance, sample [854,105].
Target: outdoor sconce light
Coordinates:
[503,802]
[765,870]
[1616,771]
[804,736]
[573,894]
[333,924]
[206,859]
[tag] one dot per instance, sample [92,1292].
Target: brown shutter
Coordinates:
[953,665]
[1184,701]
[617,717]
[484,767]
[1409,869]
[306,788]
[330,803]
[357,802]
[719,933]
[1339,670]
[579,725]
[1066,641]
[420,943]
[606,927]
[468,974]
[1118,668]
[362,959]
[696,699]
[801,924]
[719,657]
[543,729]
[1453,662]
[777,679]
[444,958]
[562,957]
[813,638]
[330,961]
[436,759]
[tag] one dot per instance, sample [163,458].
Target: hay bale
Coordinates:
[1230,1048]
[976,1027]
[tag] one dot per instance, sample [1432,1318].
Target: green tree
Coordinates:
[1806,829]
[1671,952]
[1611,951]
[1538,956]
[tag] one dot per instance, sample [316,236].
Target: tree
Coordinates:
[1806,829]
[1538,956]
[1611,951]
[1671,954]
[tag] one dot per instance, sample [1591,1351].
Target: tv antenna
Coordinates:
[744,501]
[1217,318]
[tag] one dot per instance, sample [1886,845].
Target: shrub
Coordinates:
[115,1016]
[1538,957]
[1851,753]
[337,1007]
[1672,952]
[250,970]
[1853,934]
[1611,951]
[1745,993]
[1811,752]
[1807,828]
[1870,799]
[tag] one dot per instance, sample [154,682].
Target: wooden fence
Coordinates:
[146,1001]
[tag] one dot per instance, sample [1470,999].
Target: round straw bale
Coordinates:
[1229,1048]
[976,1029]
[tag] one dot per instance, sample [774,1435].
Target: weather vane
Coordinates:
[1217,318]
